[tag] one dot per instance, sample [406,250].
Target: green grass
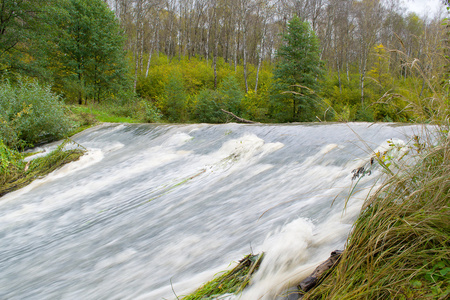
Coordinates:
[230,282]
[17,174]
[101,114]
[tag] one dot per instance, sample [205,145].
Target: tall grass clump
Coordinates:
[31,114]
[15,173]
[400,244]
[399,247]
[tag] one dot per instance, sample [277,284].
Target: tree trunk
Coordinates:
[236,48]
[362,78]
[149,60]
[245,58]
[339,78]
[261,53]
[216,41]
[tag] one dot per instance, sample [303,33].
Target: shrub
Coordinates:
[174,101]
[30,114]
[231,94]
[147,112]
[207,108]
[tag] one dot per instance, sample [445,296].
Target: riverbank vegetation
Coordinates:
[15,173]
[229,282]
[399,245]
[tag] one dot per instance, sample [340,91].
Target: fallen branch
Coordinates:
[238,118]
[316,277]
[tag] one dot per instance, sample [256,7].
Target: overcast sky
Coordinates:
[423,7]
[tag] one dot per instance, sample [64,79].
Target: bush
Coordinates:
[147,112]
[207,108]
[232,95]
[31,114]
[174,102]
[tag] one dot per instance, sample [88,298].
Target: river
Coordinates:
[151,211]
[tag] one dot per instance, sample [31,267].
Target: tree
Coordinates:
[296,73]
[20,22]
[86,55]
[175,98]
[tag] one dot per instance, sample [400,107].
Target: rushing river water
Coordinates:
[154,210]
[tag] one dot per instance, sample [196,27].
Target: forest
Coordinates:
[64,63]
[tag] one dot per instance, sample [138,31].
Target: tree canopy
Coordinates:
[86,55]
[20,23]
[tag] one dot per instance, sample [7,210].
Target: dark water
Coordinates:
[153,209]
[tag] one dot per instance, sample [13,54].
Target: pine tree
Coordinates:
[296,74]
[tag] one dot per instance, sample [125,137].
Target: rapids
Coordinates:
[155,210]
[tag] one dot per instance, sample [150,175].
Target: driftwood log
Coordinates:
[238,118]
[319,273]
[312,280]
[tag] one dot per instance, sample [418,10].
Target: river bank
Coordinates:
[17,171]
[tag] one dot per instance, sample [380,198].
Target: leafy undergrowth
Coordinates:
[15,173]
[230,282]
[400,245]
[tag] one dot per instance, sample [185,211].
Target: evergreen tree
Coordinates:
[175,98]
[86,54]
[296,74]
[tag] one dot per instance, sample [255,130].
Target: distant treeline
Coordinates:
[268,61]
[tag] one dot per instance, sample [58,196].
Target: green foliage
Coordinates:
[230,282]
[174,101]
[208,103]
[85,53]
[207,107]
[183,90]
[20,23]
[231,94]
[30,114]
[296,73]
[11,161]
[135,110]
[254,106]
[147,112]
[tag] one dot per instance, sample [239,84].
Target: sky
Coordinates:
[423,7]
